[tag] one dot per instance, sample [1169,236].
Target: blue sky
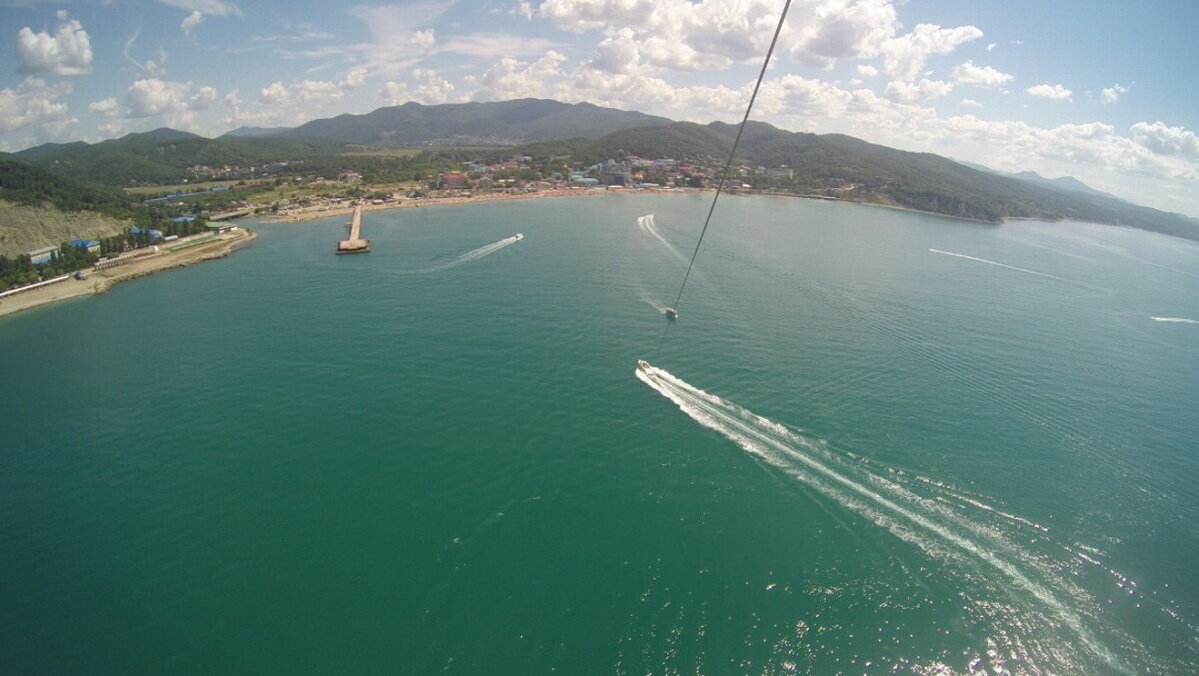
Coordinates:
[1104,91]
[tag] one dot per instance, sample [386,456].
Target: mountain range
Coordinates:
[832,165]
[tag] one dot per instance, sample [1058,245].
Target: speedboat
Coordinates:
[643,365]
[671,313]
[518,237]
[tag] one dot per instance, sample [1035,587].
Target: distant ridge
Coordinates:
[1063,183]
[508,121]
[254,132]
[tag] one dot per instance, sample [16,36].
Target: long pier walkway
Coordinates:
[354,243]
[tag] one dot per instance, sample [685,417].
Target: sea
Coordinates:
[873,442]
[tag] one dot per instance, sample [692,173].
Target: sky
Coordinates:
[1105,90]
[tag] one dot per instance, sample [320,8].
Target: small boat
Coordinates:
[518,237]
[643,365]
[671,313]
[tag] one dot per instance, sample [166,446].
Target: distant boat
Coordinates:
[671,313]
[643,365]
[518,236]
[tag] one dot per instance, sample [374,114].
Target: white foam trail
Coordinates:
[934,527]
[647,225]
[653,302]
[1002,265]
[476,254]
[1176,320]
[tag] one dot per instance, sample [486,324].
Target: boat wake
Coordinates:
[1175,320]
[474,254]
[648,226]
[653,302]
[1023,599]
[997,264]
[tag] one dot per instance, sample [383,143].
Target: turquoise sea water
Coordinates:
[878,442]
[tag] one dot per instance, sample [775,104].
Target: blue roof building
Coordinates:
[183,219]
[43,255]
[154,234]
[92,245]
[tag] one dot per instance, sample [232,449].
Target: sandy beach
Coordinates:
[100,281]
[324,212]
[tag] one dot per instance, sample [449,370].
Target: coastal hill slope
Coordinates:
[38,208]
[162,156]
[847,168]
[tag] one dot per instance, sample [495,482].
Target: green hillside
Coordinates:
[520,120]
[39,208]
[847,168]
[164,156]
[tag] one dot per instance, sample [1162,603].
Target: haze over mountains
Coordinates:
[830,165]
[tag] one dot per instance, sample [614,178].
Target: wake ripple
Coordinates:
[1176,320]
[997,264]
[474,254]
[1041,617]
[648,226]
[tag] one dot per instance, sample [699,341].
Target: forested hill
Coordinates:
[847,168]
[164,155]
[491,123]
[27,185]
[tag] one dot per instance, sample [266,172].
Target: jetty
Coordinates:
[354,243]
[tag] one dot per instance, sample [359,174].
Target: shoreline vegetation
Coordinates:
[100,281]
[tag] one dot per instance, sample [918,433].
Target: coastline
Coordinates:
[100,281]
[317,213]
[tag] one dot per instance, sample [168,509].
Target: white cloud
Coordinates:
[151,96]
[400,34]
[69,52]
[203,99]
[525,9]
[191,21]
[1112,94]
[912,92]
[584,15]
[617,53]
[704,35]
[1166,140]
[106,107]
[424,40]
[513,79]
[496,45]
[205,7]
[906,55]
[972,103]
[1048,91]
[980,76]
[274,94]
[427,87]
[991,47]
[315,91]
[34,107]
[867,71]
[171,103]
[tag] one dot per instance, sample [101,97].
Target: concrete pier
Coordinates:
[354,243]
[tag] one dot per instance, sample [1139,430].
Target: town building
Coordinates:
[92,245]
[43,255]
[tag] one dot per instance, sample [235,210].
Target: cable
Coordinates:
[725,175]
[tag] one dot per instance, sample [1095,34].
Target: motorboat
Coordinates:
[671,313]
[518,236]
[643,365]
